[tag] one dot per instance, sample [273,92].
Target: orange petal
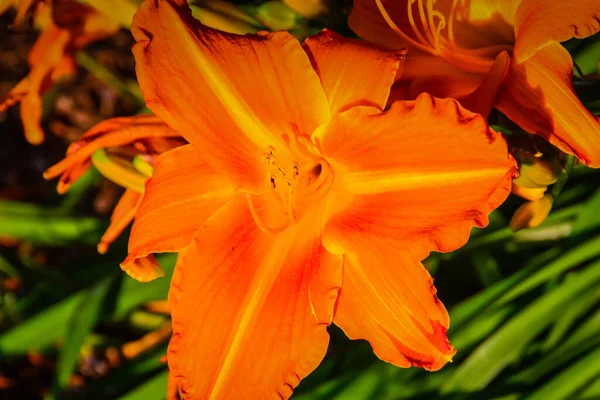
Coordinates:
[419,176]
[475,24]
[482,100]
[425,73]
[388,298]
[540,23]
[538,95]
[114,132]
[351,72]
[250,309]
[183,192]
[232,95]
[367,22]
[121,217]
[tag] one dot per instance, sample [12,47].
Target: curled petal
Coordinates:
[541,22]
[250,309]
[183,192]
[191,77]
[419,176]
[388,298]
[147,130]
[351,72]
[538,95]
[122,216]
[426,73]
[482,100]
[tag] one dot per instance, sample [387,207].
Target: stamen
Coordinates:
[424,20]
[438,30]
[399,32]
[118,172]
[451,24]
[259,222]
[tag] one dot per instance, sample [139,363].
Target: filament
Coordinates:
[259,221]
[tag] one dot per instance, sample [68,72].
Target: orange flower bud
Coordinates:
[530,194]
[537,172]
[531,214]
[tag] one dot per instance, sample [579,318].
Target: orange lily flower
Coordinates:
[72,27]
[124,138]
[299,201]
[493,53]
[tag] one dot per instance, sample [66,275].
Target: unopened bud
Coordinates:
[307,8]
[537,172]
[528,193]
[276,16]
[226,17]
[531,214]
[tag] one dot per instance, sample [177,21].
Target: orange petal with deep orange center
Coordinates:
[250,309]
[541,22]
[419,176]
[232,95]
[181,194]
[388,298]
[538,95]
[353,73]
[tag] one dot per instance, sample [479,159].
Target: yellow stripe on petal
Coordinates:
[382,181]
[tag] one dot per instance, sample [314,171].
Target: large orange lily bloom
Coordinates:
[72,27]
[467,49]
[123,138]
[300,202]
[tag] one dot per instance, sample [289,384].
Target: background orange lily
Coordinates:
[497,53]
[299,201]
[71,27]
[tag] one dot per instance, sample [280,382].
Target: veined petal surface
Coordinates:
[353,73]
[232,95]
[420,175]
[543,22]
[182,193]
[250,309]
[388,298]
[538,95]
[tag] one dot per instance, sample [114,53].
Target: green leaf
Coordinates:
[568,382]
[48,326]
[153,389]
[486,267]
[85,316]
[501,348]
[571,259]
[46,226]
[585,338]
[589,217]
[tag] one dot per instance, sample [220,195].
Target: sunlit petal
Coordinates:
[353,73]
[388,298]
[250,309]
[420,175]
[183,192]
[541,22]
[232,95]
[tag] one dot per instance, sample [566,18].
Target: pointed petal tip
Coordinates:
[143,269]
